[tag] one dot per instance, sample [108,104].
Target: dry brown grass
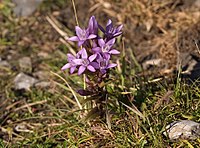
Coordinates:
[153,29]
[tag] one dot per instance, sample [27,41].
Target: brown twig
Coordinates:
[52,21]
[55,26]
[198,50]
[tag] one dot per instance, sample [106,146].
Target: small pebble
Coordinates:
[25,7]
[23,81]
[25,64]
[4,64]
[41,75]
[42,84]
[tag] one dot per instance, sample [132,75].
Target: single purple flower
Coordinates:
[103,63]
[111,31]
[93,26]
[81,59]
[82,36]
[106,47]
[85,62]
[71,63]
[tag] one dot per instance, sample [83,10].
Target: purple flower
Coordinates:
[82,35]
[111,31]
[85,62]
[93,26]
[71,63]
[102,63]
[81,60]
[106,47]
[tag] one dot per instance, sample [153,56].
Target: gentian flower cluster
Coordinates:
[93,59]
[95,51]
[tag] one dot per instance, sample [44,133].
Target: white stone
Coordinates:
[23,81]
[183,129]
[25,7]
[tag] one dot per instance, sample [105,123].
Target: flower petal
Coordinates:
[72,69]
[78,55]
[90,25]
[83,92]
[73,38]
[68,65]
[95,65]
[96,49]
[109,26]
[111,65]
[117,34]
[99,56]
[103,71]
[92,36]
[81,70]
[78,31]
[77,61]
[94,44]
[101,42]
[119,28]
[70,57]
[80,43]
[109,23]
[91,68]
[113,51]
[84,54]
[111,42]
[92,57]
[93,26]
[106,56]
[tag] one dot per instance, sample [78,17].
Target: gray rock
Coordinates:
[23,81]
[25,7]
[25,64]
[4,64]
[42,84]
[42,75]
[183,129]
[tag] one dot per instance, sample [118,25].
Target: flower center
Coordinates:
[103,64]
[85,62]
[106,48]
[83,35]
[73,63]
[111,30]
